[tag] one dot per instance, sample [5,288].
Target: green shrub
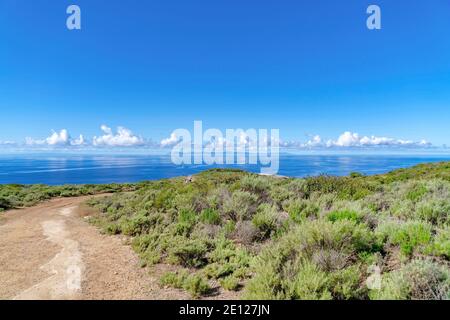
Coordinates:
[184,201]
[345,284]
[210,216]
[255,184]
[112,228]
[174,279]
[286,269]
[245,233]
[195,284]
[266,220]
[309,283]
[408,236]
[241,206]
[297,189]
[187,216]
[346,236]
[344,187]
[344,215]
[299,210]
[136,225]
[230,283]
[5,204]
[164,199]
[186,221]
[229,227]
[416,192]
[227,260]
[188,252]
[434,211]
[150,248]
[419,279]
[356,175]
[280,194]
[441,244]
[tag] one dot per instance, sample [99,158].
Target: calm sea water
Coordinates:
[96,169]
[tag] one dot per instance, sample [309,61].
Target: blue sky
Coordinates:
[305,67]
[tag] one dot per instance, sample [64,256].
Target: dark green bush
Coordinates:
[5,204]
[188,252]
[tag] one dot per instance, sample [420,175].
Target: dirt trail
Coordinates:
[51,252]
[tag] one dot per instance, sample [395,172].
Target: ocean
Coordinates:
[58,169]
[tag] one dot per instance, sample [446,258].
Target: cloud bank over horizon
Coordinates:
[125,138]
[350,139]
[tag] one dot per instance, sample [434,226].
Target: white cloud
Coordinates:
[351,140]
[123,138]
[61,138]
[172,140]
[347,139]
[78,142]
[34,142]
[7,143]
[316,141]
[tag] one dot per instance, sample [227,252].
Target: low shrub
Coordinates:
[137,224]
[435,211]
[241,206]
[409,236]
[299,210]
[230,283]
[5,204]
[418,280]
[290,269]
[245,233]
[441,243]
[255,184]
[186,221]
[227,260]
[266,220]
[210,216]
[195,284]
[308,283]
[344,215]
[188,252]
[416,192]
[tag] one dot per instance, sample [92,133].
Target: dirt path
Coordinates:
[51,252]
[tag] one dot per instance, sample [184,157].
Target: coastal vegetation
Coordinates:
[14,196]
[355,237]
[324,237]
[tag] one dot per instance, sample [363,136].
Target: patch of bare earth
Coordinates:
[51,252]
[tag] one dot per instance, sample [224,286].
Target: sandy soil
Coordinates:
[51,252]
